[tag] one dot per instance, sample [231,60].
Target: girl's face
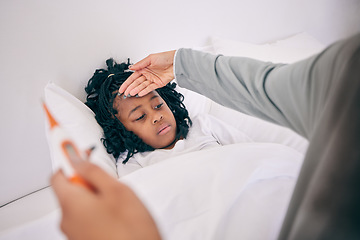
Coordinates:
[149,117]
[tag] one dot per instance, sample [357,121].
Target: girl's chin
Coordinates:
[171,145]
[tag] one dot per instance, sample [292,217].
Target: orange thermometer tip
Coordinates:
[51,119]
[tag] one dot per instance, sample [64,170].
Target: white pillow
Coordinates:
[194,102]
[78,120]
[289,50]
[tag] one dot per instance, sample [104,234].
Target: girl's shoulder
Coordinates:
[204,120]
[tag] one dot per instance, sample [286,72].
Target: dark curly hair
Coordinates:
[101,91]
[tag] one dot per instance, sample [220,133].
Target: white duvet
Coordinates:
[238,191]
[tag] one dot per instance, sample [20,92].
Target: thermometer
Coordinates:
[69,153]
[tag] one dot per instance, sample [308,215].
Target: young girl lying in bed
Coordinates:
[140,131]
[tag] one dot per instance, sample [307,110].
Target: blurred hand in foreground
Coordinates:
[109,210]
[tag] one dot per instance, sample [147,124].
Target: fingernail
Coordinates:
[92,148]
[130,66]
[128,95]
[124,96]
[137,95]
[89,151]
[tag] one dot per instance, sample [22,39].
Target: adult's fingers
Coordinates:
[140,85]
[136,86]
[148,89]
[94,175]
[134,76]
[136,67]
[59,183]
[62,187]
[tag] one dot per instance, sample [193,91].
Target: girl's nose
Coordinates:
[157,118]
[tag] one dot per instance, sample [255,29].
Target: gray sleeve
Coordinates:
[274,92]
[317,97]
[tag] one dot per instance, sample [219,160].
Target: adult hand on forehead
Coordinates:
[154,71]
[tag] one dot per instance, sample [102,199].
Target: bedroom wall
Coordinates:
[65,41]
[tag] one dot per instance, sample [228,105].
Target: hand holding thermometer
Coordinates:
[69,153]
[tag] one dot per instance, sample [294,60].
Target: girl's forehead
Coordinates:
[124,103]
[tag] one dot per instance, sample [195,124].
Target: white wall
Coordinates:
[65,41]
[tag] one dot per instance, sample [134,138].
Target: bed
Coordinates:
[239,191]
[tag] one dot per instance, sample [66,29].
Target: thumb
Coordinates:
[60,185]
[141,64]
[96,177]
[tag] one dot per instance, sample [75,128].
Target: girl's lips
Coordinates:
[164,129]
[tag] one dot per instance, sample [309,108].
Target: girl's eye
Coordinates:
[141,117]
[159,106]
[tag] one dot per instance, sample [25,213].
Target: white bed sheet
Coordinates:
[44,228]
[229,192]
